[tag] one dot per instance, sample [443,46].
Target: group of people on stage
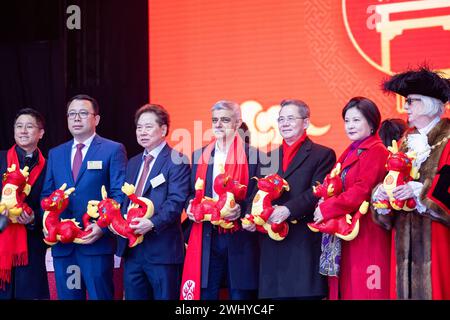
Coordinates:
[396,255]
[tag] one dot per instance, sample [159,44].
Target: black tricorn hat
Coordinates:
[422,81]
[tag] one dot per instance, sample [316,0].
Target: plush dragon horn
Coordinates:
[69,191]
[414,173]
[92,208]
[394,147]
[286,185]
[411,155]
[25,171]
[199,184]
[104,193]
[336,170]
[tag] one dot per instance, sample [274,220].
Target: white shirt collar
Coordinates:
[218,149]
[86,143]
[427,129]
[155,151]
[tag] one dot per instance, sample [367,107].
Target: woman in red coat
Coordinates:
[358,269]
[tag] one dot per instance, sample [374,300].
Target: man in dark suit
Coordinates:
[228,259]
[87,162]
[27,281]
[289,269]
[152,269]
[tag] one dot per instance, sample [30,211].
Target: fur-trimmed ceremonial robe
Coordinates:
[421,241]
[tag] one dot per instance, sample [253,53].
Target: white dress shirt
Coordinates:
[85,149]
[220,157]
[155,152]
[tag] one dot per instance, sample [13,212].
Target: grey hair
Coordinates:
[433,106]
[303,108]
[228,105]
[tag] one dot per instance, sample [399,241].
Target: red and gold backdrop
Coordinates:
[258,52]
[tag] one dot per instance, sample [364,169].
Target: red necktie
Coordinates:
[77,161]
[140,186]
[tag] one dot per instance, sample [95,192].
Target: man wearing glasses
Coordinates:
[421,246]
[226,256]
[289,269]
[22,251]
[86,162]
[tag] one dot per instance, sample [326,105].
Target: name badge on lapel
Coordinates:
[158,180]
[94,165]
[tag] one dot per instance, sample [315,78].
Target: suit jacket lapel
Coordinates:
[301,155]
[93,148]
[279,153]
[354,156]
[156,169]
[134,169]
[68,161]
[209,183]
[351,159]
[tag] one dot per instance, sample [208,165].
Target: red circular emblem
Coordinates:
[7,191]
[389,180]
[389,33]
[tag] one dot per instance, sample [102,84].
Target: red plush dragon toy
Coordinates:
[270,188]
[344,227]
[108,214]
[208,209]
[332,184]
[401,171]
[15,190]
[63,230]
[13,246]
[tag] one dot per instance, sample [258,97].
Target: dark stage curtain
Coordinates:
[43,64]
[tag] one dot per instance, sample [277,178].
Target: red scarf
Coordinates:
[237,166]
[289,151]
[13,240]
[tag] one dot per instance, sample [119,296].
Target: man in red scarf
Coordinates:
[289,269]
[22,251]
[214,256]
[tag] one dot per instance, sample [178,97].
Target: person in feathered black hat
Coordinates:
[422,236]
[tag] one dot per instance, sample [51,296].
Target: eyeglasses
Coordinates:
[409,101]
[83,114]
[290,119]
[222,119]
[28,126]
